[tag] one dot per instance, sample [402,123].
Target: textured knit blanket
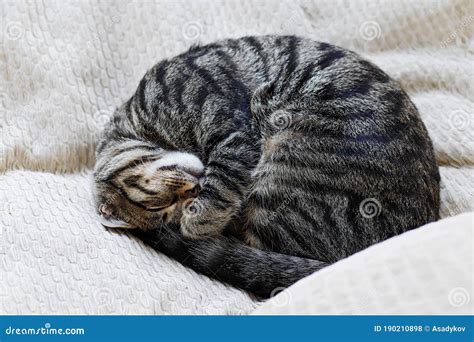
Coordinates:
[65,66]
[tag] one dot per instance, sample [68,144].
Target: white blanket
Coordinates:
[427,271]
[65,66]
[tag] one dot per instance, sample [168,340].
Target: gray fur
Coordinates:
[296,137]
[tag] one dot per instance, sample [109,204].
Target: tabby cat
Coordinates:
[259,160]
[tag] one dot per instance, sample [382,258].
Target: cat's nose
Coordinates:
[191,192]
[194,191]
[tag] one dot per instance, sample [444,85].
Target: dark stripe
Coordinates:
[325,46]
[241,92]
[278,41]
[395,99]
[160,74]
[360,88]
[194,47]
[197,50]
[124,195]
[233,44]
[132,182]
[204,74]
[362,114]
[268,199]
[255,44]
[118,152]
[136,105]
[373,137]
[179,88]
[226,170]
[370,75]
[353,214]
[213,140]
[134,162]
[307,74]
[140,94]
[375,72]
[316,246]
[328,93]
[128,110]
[293,55]
[167,167]
[136,147]
[225,180]
[201,97]
[206,222]
[289,66]
[329,58]
[149,133]
[237,140]
[345,139]
[144,190]
[103,144]
[344,166]
[210,192]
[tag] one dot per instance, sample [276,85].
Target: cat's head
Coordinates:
[144,187]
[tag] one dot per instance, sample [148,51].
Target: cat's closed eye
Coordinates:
[159,205]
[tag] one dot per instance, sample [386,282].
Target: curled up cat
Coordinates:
[258,161]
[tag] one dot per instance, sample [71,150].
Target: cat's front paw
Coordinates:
[200,219]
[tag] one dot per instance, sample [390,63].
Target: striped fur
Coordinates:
[295,138]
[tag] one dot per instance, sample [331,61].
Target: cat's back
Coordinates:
[301,64]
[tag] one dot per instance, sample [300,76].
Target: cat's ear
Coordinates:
[114,223]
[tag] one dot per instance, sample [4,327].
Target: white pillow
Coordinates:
[426,271]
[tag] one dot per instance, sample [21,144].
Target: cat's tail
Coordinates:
[263,273]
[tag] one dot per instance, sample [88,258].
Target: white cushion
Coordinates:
[426,271]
